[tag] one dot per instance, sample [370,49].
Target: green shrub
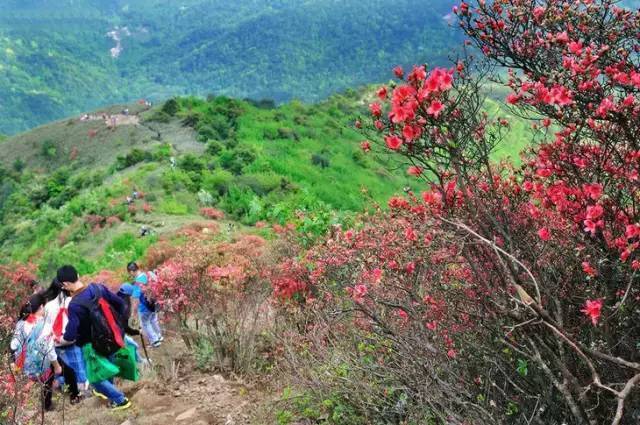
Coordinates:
[191,163]
[55,257]
[172,207]
[134,157]
[287,133]
[159,116]
[178,180]
[236,159]
[161,152]
[320,160]
[18,165]
[171,107]
[217,182]
[214,147]
[49,150]
[260,184]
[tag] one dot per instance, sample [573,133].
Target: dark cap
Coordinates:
[67,274]
[132,267]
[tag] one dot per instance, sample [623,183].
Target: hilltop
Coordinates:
[63,186]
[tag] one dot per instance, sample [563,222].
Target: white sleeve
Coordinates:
[18,337]
[51,350]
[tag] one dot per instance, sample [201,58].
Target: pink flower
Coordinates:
[418,73]
[414,170]
[365,145]
[594,212]
[376,109]
[593,309]
[538,13]
[588,269]
[398,72]
[376,274]
[410,267]
[359,292]
[393,142]
[410,132]
[575,47]
[403,315]
[544,234]
[435,108]
[593,190]
[632,231]
[382,93]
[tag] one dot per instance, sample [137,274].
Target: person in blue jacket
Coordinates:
[78,328]
[139,292]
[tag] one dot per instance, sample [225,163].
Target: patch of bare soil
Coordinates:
[171,392]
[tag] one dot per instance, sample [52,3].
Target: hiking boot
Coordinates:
[120,406]
[157,344]
[161,339]
[99,395]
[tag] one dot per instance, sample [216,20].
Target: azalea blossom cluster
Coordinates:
[214,291]
[201,272]
[553,243]
[16,285]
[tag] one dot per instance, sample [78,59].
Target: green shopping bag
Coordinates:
[99,368]
[125,360]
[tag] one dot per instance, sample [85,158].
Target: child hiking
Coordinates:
[33,349]
[142,297]
[95,326]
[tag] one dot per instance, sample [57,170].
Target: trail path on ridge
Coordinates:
[172,392]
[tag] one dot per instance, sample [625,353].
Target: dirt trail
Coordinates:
[171,392]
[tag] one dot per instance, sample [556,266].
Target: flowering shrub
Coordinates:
[530,281]
[211,213]
[217,295]
[95,222]
[16,286]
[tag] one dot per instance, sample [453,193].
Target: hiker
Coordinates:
[33,349]
[144,231]
[70,355]
[145,303]
[125,292]
[94,314]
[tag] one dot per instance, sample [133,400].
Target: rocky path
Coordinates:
[171,392]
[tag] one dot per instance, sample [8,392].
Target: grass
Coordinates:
[295,163]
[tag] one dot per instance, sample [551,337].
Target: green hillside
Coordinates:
[56,59]
[63,185]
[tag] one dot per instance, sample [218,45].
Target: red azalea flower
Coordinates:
[435,108]
[393,142]
[382,93]
[376,109]
[398,72]
[365,145]
[593,309]
[544,234]
[414,170]
[588,269]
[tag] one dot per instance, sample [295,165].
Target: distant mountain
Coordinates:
[60,57]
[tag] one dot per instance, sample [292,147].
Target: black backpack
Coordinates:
[149,301]
[106,325]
